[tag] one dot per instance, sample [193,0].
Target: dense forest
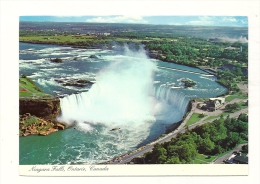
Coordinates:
[210,139]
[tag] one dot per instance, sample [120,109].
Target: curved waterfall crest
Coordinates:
[173,97]
[85,107]
[124,93]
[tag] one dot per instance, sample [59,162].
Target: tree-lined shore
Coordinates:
[228,60]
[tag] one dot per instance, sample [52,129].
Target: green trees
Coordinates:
[232,140]
[206,146]
[229,78]
[158,155]
[243,117]
[188,51]
[161,154]
[210,138]
[232,107]
[245,149]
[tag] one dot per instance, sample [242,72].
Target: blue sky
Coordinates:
[237,21]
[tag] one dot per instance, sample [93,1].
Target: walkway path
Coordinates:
[228,155]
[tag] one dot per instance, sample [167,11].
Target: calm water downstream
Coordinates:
[130,91]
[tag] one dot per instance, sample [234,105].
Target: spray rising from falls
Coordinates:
[123,92]
[124,96]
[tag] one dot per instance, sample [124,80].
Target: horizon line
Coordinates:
[246,26]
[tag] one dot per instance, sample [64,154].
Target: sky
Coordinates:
[234,21]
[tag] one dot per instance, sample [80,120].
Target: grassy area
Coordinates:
[200,99]
[203,159]
[30,120]
[77,40]
[243,105]
[197,161]
[212,117]
[59,38]
[193,119]
[27,88]
[236,95]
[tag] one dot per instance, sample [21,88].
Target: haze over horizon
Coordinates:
[230,21]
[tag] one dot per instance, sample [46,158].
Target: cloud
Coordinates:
[118,19]
[244,22]
[229,19]
[203,20]
[175,24]
[217,21]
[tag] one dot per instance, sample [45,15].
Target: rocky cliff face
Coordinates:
[47,109]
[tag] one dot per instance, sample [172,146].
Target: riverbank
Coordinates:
[37,111]
[66,45]
[37,116]
[32,125]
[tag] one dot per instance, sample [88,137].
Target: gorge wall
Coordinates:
[47,109]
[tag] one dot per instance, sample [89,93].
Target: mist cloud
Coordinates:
[123,94]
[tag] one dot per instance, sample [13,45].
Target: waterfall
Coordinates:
[172,97]
[124,94]
[99,106]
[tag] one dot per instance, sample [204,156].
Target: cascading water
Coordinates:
[123,93]
[172,97]
[116,105]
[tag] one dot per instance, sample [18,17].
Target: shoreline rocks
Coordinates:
[38,116]
[73,82]
[32,125]
[56,60]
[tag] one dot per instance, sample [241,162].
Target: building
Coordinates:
[216,103]
[240,160]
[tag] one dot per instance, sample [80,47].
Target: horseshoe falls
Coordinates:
[132,92]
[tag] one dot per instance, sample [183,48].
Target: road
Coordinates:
[141,151]
[226,156]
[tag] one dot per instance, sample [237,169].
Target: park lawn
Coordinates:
[29,94]
[28,89]
[25,94]
[200,100]
[196,161]
[205,158]
[242,105]
[212,117]
[236,95]
[24,83]
[77,39]
[193,119]
[60,39]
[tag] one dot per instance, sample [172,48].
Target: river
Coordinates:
[130,91]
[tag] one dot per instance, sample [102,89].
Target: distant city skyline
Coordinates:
[231,21]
